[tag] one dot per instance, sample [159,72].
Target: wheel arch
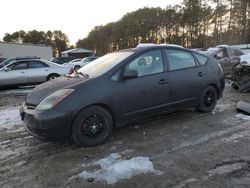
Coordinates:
[51,75]
[218,92]
[103,105]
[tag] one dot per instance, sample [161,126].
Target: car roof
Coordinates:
[147,47]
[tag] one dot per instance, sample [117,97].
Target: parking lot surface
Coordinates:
[183,149]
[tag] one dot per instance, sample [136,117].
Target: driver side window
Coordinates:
[147,63]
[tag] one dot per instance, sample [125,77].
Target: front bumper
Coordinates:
[50,124]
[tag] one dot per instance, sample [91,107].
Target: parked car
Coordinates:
[62,60]
[7,61]
[73,61]
[78,64]
[241,74]
[121,87]
[30,71]
[226,55]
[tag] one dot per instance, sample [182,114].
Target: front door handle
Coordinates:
[200,74]
[163,81]
[22,72]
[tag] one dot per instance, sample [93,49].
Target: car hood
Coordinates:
[42,91]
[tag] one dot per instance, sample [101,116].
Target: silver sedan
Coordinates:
[31,71]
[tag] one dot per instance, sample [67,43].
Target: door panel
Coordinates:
[185,75]
[186,84]
[146,92]
[150,90]
[17,74]
[38,71]
[14,77]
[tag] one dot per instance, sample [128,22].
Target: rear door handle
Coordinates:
[22,72]
[163,81]
[200,74]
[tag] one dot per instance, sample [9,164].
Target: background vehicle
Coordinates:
[227,56]
[30,71]
[62,60]
[241,75]
[10,60]
[121,87]
[78,64]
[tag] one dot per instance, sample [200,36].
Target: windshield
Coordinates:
[6,62]
[104,64]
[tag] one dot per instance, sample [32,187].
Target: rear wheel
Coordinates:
[52,76]
[92,126]
[77,67]
[208,99]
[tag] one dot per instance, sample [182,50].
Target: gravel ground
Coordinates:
[184,149]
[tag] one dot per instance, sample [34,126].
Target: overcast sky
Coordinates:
[74,17]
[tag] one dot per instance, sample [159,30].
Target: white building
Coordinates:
[10,50]
[78,53]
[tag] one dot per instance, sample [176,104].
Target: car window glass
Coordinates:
[116,75]
[180,59]
[148,63]
[201,59]
[18,66]
[37,64]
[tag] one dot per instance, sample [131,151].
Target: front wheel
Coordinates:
[208,100]
[92,126]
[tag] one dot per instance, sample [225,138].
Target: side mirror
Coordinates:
[130,74]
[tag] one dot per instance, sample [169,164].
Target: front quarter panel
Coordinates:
[97,91]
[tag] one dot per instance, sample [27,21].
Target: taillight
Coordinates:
[71,71]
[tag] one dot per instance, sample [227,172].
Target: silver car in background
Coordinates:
[77,64]
[30,71]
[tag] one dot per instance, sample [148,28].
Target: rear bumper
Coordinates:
[50,124]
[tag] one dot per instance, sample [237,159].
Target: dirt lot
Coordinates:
[184,149]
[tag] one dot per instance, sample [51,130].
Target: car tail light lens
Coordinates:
[71,71]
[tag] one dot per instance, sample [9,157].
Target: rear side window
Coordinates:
[201,59]
[37,64]
[178,59]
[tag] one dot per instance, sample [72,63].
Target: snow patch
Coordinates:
[114,168]
[223,107]
[9,118]
[16,91]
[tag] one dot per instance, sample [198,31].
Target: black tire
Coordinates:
[92,126]
[52,76]
[77,67]
[208,100]
[235,86]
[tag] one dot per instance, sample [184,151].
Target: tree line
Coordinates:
[193,23]
[57,39]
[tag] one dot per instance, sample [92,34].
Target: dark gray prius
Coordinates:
[119,88]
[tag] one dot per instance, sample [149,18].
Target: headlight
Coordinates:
[50,101]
